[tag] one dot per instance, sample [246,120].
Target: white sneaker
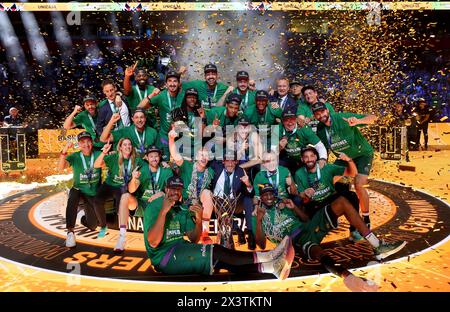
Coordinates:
[358,284]
[70,240]
[282,265]
[120,244]
[280,249]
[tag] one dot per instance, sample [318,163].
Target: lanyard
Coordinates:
[91,120]
[126,172]
[311,183]
[139,92]
[245,101]
[199,182]
[214,96]
[93,124]
[328,133]
[277,179]
[289,134]
[89,171]
[265,116]
[141,141]
[170,101]
[154,180]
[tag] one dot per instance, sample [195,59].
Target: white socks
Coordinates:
[266,267]
[373,240]
[205,226]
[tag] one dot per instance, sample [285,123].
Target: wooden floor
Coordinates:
[428,271]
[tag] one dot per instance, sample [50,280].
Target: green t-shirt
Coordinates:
[220,112]
[341,137]
[248,99]
[112,163]
[298,139]
[267,118]
[88,122]
[278,181]
[178,222]
[165,104]
[321,180]
[203,179]
[140,140]
[137,95]
[304,109]
[152,182]
[277,223]
[85,177]
[207,98]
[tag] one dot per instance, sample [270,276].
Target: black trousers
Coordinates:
[90,219]
[105,192]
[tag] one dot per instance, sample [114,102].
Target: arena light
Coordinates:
[62,35]
[14,52]
[36,42]
[116,33]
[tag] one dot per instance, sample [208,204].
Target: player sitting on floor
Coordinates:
[167,219]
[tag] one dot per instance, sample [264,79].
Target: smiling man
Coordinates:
[210,91]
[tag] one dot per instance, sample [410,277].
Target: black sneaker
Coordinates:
[241,237]
[251,241]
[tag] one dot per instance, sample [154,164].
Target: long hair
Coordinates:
[132,156]
[181,114]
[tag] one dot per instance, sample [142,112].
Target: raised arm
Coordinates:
[62,162]
[106,134]
[129,72]
[173,148]
[133,185]
[224,96]
[156,232]
[68,123]
[145,103]
[101,158]
[366,120]
[194,235]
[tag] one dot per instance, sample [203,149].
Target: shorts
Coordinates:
[316,229]
[363,163]
[187,258]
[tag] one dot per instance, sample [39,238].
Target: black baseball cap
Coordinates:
[171,74]
[89,98]
[243,120]
[262,95]
[84,135]
[289,113]
[175,182]
[242,75]
[191,91]
[152,149]
[139,110]
[295,81]
[266,188]
[210,67]
[310,148]
[233,97]
[318,106]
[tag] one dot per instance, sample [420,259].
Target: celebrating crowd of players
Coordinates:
[169,153]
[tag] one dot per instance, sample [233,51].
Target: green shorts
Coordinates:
[363,163]
[316,229]
[187,258]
